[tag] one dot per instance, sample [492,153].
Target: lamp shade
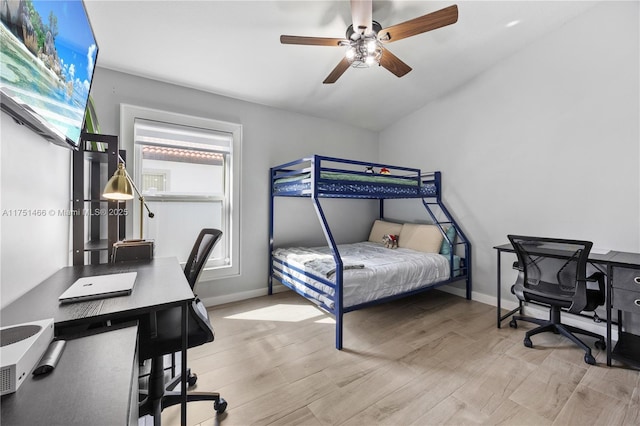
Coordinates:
[118,187]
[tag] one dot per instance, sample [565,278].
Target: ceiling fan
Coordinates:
[365,38]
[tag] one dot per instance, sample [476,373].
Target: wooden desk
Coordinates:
[612,264]
[95,382]
[160,284]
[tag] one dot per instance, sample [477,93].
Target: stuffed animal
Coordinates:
[385,171]
[390,241]
[369,169]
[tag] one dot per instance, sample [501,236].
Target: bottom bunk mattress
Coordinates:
[370,271]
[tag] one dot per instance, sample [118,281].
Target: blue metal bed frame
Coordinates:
[315,185]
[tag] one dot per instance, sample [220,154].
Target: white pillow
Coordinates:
[381,228]
[424,238]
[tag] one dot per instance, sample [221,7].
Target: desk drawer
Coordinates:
[626,278]
[625,300]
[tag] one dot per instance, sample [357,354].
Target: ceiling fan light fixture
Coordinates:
[364,52]
[351,53]
[371,60]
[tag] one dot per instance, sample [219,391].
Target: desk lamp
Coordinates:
[120,188]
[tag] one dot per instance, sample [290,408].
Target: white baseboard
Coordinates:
[233,297]
[243,295]
[479,297]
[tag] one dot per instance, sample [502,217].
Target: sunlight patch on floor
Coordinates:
[327,320]
[280,312]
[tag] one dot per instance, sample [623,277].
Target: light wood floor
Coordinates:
[427,360]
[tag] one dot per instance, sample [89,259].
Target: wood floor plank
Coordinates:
[588,406]
[510,413]
[632,414]
[303,416]
[499,379]
[549,387]
[408,403]
[619,383]
[281,402]
[370,388]
[451,411]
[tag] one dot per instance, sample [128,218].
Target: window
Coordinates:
[154,181]
[188,172]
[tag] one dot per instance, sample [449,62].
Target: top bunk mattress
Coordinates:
[370,271]
[340,178]
[338,185]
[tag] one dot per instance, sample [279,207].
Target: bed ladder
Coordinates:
[441,217]
[434,205]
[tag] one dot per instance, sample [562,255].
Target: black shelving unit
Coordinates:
[95,150]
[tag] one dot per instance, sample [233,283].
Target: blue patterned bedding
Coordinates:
[355,186]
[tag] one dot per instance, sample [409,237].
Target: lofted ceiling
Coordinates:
[232,48]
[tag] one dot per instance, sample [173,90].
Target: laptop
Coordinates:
[99,287]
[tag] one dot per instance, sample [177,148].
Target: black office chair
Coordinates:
[168,340]
[553,272]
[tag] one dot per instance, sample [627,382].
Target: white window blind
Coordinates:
[167,134]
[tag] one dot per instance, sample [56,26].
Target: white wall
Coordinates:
[35,185]
[544,143]
[270,137]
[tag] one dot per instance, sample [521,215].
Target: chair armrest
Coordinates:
[518,288]
[517,266]
[597,277]
[579,298]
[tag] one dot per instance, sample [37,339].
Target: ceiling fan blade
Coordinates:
[337,71]
[393,63]
[312,41]
[361,15]
[421,24]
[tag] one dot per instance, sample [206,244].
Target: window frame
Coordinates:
[128,114]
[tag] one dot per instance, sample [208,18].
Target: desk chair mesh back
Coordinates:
[168,340]
[206,241]
[553,273]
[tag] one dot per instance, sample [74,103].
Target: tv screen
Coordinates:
[47,61]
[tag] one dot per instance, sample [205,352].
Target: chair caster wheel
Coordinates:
[191,381]
[527,342]
[589,359]
[220,406]
[513,324]
[600,345]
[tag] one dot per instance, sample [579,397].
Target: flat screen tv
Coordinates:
[47,61]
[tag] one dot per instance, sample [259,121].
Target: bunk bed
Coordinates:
[347,277]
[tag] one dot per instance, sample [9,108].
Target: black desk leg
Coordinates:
[608,306]
[183,384]
[499,297]
[498,290]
